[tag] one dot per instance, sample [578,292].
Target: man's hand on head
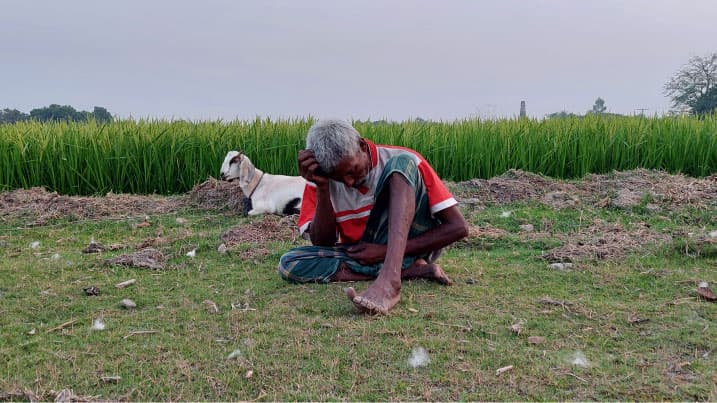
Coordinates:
[310,170]
[367,253]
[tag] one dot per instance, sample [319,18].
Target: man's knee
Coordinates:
[284,267]
[305,265]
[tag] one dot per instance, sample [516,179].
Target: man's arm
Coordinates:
[322,230]
[453,227]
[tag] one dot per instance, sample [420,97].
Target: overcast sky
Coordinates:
[360,59]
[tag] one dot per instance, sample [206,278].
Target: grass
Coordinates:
[306,342]
[169,157]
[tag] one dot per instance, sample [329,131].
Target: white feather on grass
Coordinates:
[580,360]
[234,354]
[419,358]
[98,324]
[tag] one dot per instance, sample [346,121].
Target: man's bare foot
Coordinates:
[429,271]
[380,297]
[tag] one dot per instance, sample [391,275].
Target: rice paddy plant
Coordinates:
[154,156]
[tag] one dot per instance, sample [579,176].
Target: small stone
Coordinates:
[536,340]
[222,249]
[527,227]
[91,291]
[561,266]
[506,214]
[211,306]
[192,253]
[234,354]
[181,221]
[713,234]
[55,256]
[35,244]
[470,280]
[705,292]
[94,247]
[128,303]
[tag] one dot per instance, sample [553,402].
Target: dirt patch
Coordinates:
[669,190]
[604,240]
[146,258]
[514,185]
[270,228]
[618,189]
[38,206]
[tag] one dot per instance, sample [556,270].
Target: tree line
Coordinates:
[55,113]
[692,90]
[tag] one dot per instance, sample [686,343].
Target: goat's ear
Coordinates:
[236,159]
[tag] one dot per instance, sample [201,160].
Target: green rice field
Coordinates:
[168,157]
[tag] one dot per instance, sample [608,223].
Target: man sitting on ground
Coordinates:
[385,206]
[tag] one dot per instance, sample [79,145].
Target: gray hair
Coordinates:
[331,141]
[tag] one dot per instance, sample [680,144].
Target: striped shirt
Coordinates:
[352,206]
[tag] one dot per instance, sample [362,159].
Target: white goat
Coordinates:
[273,194]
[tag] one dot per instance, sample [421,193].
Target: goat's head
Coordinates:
[237,166]
[230,166]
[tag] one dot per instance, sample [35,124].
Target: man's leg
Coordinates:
[324,264]
[312,264]
[385,292]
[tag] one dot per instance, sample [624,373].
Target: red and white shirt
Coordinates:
[353,206]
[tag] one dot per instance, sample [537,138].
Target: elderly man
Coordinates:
[371,212]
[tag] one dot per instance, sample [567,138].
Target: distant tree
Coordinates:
[101,115]
[12,116]
[692,82]
[563,114]
[56,113]
[707,103]
[599,106]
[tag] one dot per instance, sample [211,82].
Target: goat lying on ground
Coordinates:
[273,194]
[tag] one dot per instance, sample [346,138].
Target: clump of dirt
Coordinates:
[147,258]
[485,231]
[214,194]
[270,228]
[604,240]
